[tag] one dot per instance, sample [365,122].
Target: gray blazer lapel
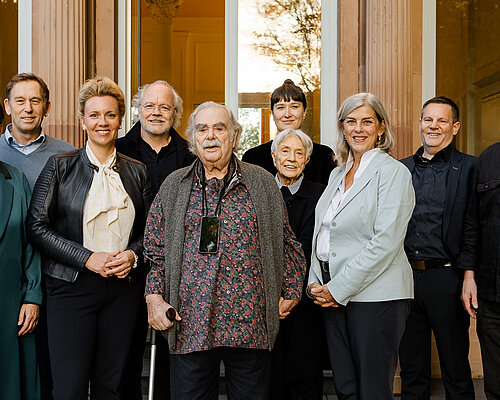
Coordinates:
[321,209]
[362,181]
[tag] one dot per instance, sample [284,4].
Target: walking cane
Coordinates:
[171,317]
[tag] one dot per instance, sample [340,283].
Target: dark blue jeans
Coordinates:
[194,376]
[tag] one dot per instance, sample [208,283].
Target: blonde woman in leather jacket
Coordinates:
[87,218]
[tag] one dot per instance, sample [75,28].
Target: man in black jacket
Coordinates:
[442,179]
[480,258]
[155,142]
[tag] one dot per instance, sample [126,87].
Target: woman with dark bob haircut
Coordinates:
[87,218]
[359,273]
[289,110]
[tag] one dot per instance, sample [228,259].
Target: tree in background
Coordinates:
[292,37]
[249,119]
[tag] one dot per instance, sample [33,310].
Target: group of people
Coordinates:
[270,263]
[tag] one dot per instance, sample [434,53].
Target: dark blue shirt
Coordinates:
[424,238]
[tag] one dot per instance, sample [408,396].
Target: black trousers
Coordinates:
[162,369]
[90,325]
[437,307]
[194,376]
[132,376]
[297,355]
[363,341]
[308,387]
[42,350]
[488,331]
[132,379]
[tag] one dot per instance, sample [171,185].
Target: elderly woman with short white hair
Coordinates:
[297,368]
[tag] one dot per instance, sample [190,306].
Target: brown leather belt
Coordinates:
[424,265]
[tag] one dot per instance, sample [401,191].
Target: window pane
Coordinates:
[8,45]
[278,40]
[468,68]
[181,42]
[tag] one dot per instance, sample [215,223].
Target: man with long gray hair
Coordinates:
[228,263]
[154,141]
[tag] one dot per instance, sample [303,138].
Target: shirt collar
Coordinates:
[236,178]
[294,187]
[366,158]
[442,156]
[169,147]
[12,140]
[109,163]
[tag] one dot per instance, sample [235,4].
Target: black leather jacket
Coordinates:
[481,245]
[55,217]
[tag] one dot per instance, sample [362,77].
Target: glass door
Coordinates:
[277,40]
[181,42]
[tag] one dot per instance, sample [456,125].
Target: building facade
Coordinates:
[404,51]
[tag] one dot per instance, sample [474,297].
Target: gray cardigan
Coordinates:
[175,193]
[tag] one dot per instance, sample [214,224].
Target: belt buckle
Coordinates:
[425,265]
[419,265]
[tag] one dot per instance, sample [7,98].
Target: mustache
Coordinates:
[211,143]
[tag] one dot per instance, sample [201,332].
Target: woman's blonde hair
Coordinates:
[386,142]
[100,86]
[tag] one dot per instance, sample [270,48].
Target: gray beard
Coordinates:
[163,133]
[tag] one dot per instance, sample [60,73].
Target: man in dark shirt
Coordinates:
[480,258]
[442,179]
[155,142]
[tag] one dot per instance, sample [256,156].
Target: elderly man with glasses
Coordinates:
[224,257]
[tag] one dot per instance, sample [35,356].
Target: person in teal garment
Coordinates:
[20,292]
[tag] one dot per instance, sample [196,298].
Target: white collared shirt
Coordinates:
[23,148]
[323,238]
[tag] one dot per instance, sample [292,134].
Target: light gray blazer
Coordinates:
[367,258]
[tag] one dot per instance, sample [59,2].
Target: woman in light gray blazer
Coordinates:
[359,271]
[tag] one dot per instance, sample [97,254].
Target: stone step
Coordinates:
[437,389]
